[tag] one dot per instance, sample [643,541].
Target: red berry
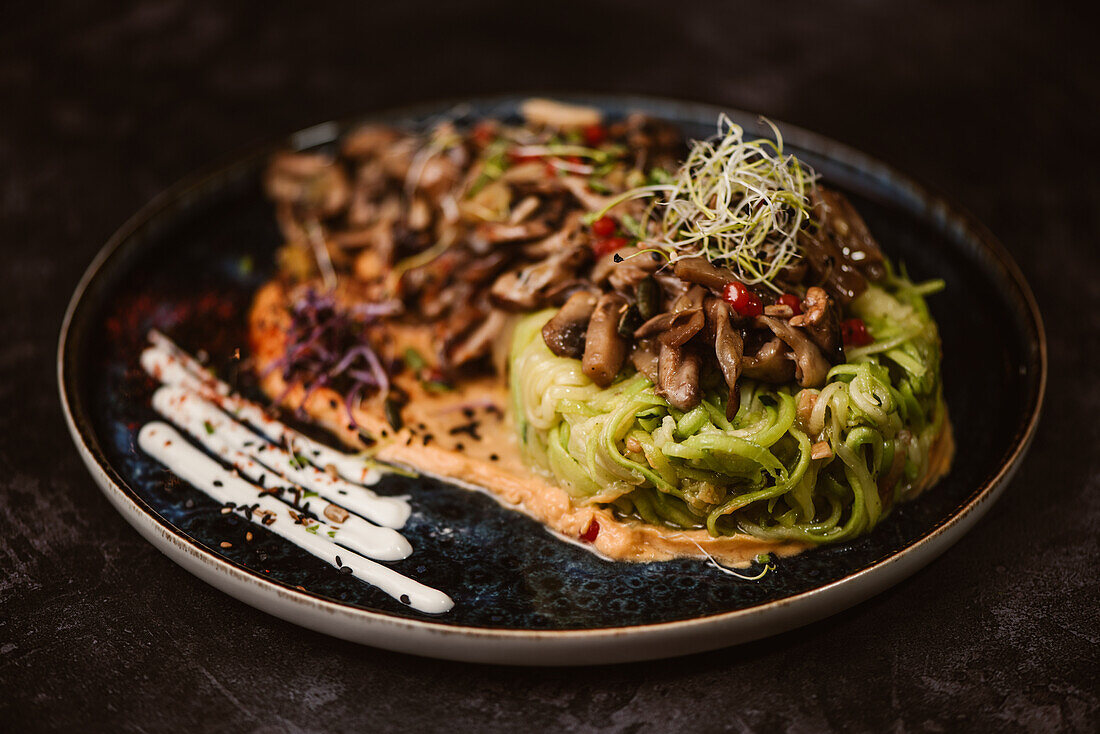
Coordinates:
[594,134]
[742,300]
[607,245]
[591,532]
[484,133]
[789,299]
[854,333]
[604,227]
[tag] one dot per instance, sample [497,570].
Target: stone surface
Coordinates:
[102,108]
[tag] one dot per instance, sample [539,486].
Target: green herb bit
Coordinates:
[209,427]
[658,176]
[414,360]
[598,186]
[633,227]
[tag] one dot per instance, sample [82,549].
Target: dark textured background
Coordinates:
[102,107]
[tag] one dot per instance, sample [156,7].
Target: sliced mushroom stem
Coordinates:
[604,350]
[644,357]
[729,347]
[701,271]
[678,376]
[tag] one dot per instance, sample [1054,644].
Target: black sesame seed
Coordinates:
[218,483]
[345,569]
[405,599]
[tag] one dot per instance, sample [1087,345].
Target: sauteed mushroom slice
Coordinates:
[369,140]
[828,266]
[811,367]
[770,364]
[690,305]
[626,258]
[489,234]
[677,326]
[526,288]
[819,318]
[729,348]
[311,182]
[550,113]
[564,333]
[435,176]
[701,271]
[480,341]
[644,357]
[678,371]
[851,234]
[563,238]
[589,199]
[604,350]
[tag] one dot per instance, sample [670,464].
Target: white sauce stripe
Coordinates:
[176,366]
[210,428]
[391,512]
[166,445]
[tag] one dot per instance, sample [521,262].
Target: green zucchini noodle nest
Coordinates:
[624,447]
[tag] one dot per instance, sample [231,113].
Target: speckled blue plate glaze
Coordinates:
[189,263]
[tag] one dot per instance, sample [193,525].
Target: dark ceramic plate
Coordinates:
[188,264]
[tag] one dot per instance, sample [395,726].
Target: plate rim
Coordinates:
[530,646]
